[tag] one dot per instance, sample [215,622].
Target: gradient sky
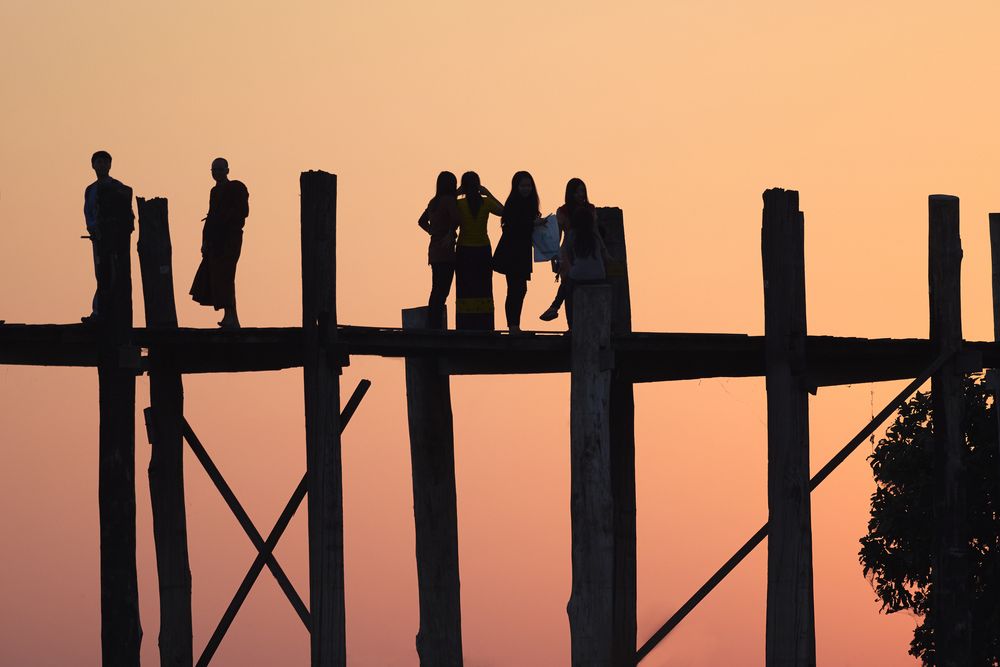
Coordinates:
[680,112]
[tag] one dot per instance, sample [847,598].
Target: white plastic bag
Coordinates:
[545,239]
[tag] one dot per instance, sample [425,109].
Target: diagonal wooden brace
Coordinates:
[265,551]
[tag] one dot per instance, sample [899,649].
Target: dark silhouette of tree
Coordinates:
[898,550]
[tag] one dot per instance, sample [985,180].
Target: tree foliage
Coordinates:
[898,551]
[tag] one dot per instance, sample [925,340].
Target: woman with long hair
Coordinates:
[440,221]
[575,200]
[513,254]
[473,265]
[583,256]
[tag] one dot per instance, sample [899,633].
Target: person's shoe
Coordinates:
[513,329]
[89,319]
[549,315]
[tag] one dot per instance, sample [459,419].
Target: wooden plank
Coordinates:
[592,509]
[435,512]
[790,636]
[164,426]
[121,631]
[951,589]
[622,445]
[321,374]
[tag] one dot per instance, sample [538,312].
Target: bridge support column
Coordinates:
[435,512]
[322,360]
[951,593]
[791,633]
[591,605]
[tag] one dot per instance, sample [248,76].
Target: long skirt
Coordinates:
[474,288]
[215,282]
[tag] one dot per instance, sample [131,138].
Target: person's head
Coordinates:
[470,184]
[101,162]
[220,169]
[523,195]
[523,184]
[447,185]
[576,193]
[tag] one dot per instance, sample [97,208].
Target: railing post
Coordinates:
[791,635]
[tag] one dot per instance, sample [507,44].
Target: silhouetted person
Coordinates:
[440,220]
[107,209]
[576,198]
[513,254]
[473,265]
[221,241]
[582,256]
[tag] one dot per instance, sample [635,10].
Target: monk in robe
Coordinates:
[107,209]
[221,241]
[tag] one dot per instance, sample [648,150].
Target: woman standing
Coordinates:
[473,266]
[576,199]
[513,254]
[440,220]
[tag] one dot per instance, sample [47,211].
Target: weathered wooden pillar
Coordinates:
[951,586]
[993,373]
[622,427]
[791,635]
[322,361]
[591,606]
[164,425]
[435,513]
[121,631]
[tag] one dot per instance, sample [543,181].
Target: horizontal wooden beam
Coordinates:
[644,357]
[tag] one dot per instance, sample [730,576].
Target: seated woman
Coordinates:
[582,257]
[473,262]
[513,254]
[576,199]
[440,220]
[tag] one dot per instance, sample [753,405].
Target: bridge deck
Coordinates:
[645,357]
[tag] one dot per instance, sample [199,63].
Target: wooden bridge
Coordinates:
[604,357]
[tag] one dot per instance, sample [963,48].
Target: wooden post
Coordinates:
[321,373]
[121,631]
[435,514]
[791,635]
[622,428]
[591,604]
[994,374]
[164,419]
[951,586]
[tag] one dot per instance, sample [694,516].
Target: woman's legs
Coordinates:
[552,312]
[517,287]
[442,274]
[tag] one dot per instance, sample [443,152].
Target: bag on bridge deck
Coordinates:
[545,239]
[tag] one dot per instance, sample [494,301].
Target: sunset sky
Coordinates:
[681,112]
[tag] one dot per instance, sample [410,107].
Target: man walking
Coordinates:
[221,241]
[107,209]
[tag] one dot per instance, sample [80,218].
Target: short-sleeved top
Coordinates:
[442,222]
[472,228]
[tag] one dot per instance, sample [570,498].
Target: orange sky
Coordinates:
[680,112]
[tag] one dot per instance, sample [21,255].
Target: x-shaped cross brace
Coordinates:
[265,548]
